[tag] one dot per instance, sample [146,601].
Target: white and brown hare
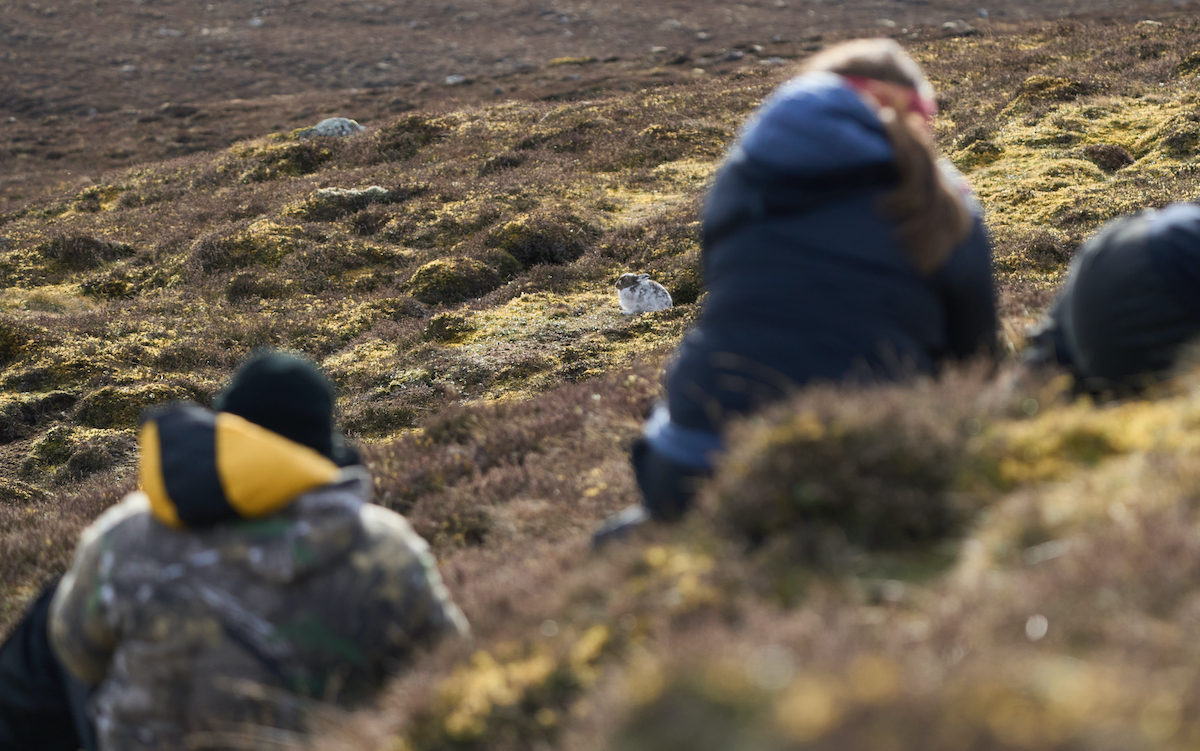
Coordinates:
[638,293]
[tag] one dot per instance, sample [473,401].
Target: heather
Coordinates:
[986,560]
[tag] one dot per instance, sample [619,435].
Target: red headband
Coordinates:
[924,106]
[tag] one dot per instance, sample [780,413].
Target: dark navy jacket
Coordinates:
[1130,303]
[806,280]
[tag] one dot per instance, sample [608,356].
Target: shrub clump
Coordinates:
[446,327]
[78,252]
[237,246]
[72,453]
[451,280]
[271,161]
[1109,157]
[557,238]
[403,138]
[875,469]
[122,406]
[15,338]
[1054,89]
[20,414]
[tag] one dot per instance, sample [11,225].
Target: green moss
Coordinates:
[122,406]
[560,61]
[17,493]
[330,204]
[65,453]
[15,338]
[264,160]
[97,198]
[553,238]
[452,280]
[447,327]
[263,242]
[403,138]
[79,252]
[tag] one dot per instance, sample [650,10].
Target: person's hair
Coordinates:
[930,210]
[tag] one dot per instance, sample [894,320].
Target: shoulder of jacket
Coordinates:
[130,508]
[386,529]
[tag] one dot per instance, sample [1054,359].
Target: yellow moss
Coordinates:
[559,61]
[469,694]
[809,707]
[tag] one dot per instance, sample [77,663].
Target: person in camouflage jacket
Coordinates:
[248,582]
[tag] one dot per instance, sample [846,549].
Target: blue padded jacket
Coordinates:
[806,280]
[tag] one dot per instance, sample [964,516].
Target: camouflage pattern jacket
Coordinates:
[236,634]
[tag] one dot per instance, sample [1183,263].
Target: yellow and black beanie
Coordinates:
[201,468]
[288,395]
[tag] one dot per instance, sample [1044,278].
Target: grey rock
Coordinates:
[332,127]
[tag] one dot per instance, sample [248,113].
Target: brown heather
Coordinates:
[978,561]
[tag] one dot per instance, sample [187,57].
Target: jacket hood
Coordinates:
[199,467]
[815,124]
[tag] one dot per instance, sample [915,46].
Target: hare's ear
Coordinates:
[643,277]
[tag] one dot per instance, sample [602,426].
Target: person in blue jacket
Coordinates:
[1130,305]
[836,247]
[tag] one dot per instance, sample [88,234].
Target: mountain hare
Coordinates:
[640,294]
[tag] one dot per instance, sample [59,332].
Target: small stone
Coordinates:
[171,109]
[256,22]
[703,36]
[983,12]
[959,28]
[331,127]
[455,80]
[657,50]
[887,22]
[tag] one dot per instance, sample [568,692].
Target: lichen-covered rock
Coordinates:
[330,204]
[331,127]
[452,280]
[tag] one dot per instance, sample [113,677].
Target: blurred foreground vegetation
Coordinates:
[980,562]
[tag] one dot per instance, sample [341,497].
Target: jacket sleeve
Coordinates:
[83,622]
[968,291]
[400,560]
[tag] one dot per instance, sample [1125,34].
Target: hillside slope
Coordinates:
[452,270]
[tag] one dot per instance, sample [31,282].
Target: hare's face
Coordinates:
[628,280]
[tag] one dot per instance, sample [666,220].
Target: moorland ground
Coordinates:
[983,561]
